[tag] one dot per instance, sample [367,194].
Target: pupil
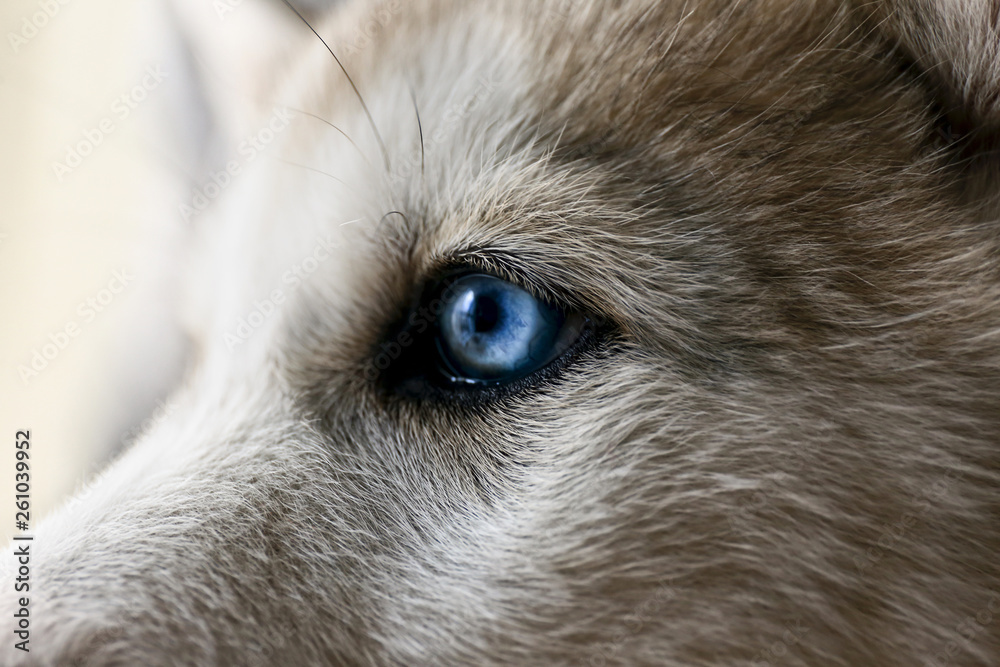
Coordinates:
[487,314]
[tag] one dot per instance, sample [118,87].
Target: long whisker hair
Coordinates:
[312,169]
[326,122]
[420,129]
[371,121]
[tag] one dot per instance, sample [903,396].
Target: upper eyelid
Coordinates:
[504,267]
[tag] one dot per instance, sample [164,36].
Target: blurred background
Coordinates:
[112,114]
[91,175]
[105,132]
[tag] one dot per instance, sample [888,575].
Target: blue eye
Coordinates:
[492,331]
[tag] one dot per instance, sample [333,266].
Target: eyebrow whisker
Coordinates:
[318,171]
[326,122]
[371,120]
[420,129]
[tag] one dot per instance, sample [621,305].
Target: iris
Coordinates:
[492,331]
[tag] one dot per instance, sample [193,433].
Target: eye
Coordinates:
[490,331]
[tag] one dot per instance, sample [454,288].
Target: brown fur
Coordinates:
[783,448]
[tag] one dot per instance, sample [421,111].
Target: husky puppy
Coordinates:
[577,332]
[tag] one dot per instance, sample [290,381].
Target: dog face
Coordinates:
[579,333]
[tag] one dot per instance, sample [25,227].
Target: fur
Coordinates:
[782,448]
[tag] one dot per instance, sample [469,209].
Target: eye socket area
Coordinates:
[491,331]
[473,336]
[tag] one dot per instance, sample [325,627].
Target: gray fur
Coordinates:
[785,452]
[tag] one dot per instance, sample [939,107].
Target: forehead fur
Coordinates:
[763,168]
[765,205]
